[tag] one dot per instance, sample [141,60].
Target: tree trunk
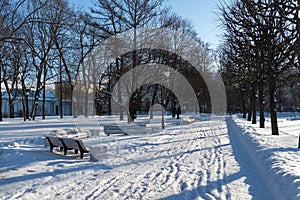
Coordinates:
[34,107]
[43,103]
[44,94]
[243,103]
[71,100]
[131,111]
[26,108]
[11,109]
[253,94]
[261,105]
[153,101]
[173,108]
[272,88]
[178,111]
[60,94]
[1,118]
[250,110]
[119,89]
[86,101]
[120,102]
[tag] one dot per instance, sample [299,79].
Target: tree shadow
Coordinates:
[57,163]
[205,190]
[257,188]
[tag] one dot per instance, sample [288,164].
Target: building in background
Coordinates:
[52,103]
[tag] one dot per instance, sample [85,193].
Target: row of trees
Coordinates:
[260,53]
[138,16]
[41,42]
[47,41]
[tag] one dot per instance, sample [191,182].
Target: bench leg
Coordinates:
[51,147]
[81,154]
[65,151]
[76,151]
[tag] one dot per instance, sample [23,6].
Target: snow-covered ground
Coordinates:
[278,156]
[212,158]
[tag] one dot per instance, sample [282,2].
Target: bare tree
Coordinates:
[266,31]
[13,18]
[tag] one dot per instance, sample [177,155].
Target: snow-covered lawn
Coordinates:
[208,159]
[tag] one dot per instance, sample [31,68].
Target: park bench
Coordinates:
[76,144]
[53,142]
[124,129]
[67,144]
[113,129]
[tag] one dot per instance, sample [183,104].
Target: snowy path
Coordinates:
[196,161]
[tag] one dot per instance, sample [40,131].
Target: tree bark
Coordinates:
[44,93]
[250,110]
[261,105]
[273,113]
[243,103]
[253,93]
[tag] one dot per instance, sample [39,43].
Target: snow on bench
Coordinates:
[187,120]
[70,133]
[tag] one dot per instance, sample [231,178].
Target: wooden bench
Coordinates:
[54,142]
[76,144]
[67,144]
[124,129]
[113,129]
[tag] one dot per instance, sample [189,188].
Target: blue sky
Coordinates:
[202,14]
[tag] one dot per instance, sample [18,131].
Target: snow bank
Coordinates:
[278,156]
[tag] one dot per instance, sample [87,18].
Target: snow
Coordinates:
[210,158]
[278,156]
